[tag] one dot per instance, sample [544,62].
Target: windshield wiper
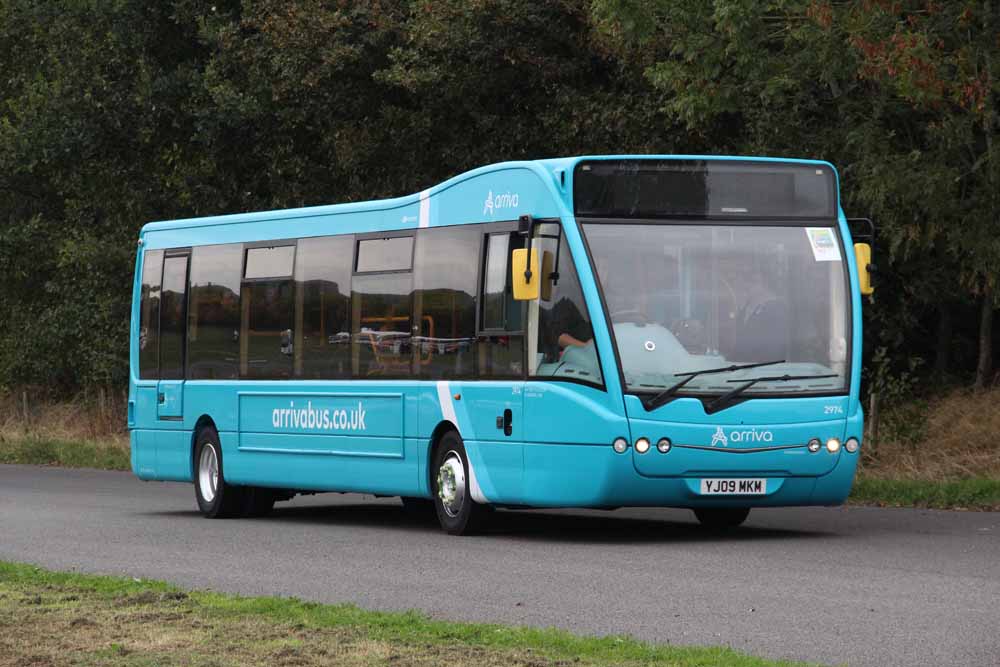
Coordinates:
[664,396]
[721,401]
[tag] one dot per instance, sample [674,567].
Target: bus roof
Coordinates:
[550,170]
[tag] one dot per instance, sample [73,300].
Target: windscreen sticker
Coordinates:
[824,244]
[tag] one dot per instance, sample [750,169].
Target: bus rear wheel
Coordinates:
[216,498]
[720,518]
[457,512]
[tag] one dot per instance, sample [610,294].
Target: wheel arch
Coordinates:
[444,426]
[203,422]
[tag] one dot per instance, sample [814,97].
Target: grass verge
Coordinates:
[57,618]
[974,494]
[71,454]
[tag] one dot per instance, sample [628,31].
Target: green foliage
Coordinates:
[66,453]
[127,112]
[977,494]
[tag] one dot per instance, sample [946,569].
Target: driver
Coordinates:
[566,323]
[761,322]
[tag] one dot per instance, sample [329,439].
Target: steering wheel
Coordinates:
[632,315]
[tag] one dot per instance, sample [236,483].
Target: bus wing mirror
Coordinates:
[525,275]
[863,259]
[537,283]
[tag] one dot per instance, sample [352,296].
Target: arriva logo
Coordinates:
[749,435]
[494,203]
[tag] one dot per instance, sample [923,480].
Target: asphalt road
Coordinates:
[833,585]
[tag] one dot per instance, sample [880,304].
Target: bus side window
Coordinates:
[381,334]
[149,315]
[500,341]
[444,302]
[173,306]
[323,307]
[214,318]
[267,313]
[562,339]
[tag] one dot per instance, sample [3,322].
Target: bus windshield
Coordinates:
[685,297]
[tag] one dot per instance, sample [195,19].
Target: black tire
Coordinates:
[721,518]
[225,500]
[463,517]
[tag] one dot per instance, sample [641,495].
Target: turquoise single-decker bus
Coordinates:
[603,331]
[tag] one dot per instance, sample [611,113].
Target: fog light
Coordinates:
[620,445]
[663,445]
[833,445]
[642,445]
[852,445]
[814,445]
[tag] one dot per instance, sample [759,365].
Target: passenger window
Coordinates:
[173,307]
[269,262]
[214,321]
[268,307]
[381,324]
[444,302]
[500,345]
[389,254]
[149,315]
[562,343]
[323,316]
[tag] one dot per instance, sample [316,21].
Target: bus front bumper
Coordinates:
[596,476]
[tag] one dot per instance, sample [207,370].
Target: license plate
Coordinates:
[733,487]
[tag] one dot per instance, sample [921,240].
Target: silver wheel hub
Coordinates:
[451,484]
[208,473]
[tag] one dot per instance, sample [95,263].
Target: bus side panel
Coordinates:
[312,436]
[173,456]
[322,472]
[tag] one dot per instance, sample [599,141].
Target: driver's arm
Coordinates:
[565,340]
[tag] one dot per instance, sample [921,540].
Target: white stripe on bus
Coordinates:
[425,208]
[448,413]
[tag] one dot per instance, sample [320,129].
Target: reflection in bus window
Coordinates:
[380,325]
[214,320]
[564,347]
[444,283]
[149,315]
[323,311]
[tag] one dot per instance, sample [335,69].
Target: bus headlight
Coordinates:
[620,445]
[833,445]
[663,445]
[642,445]
[852,445]
[814,445]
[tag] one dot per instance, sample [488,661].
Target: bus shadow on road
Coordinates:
[553,526]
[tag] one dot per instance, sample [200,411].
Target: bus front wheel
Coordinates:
[719,518]
[457,512]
